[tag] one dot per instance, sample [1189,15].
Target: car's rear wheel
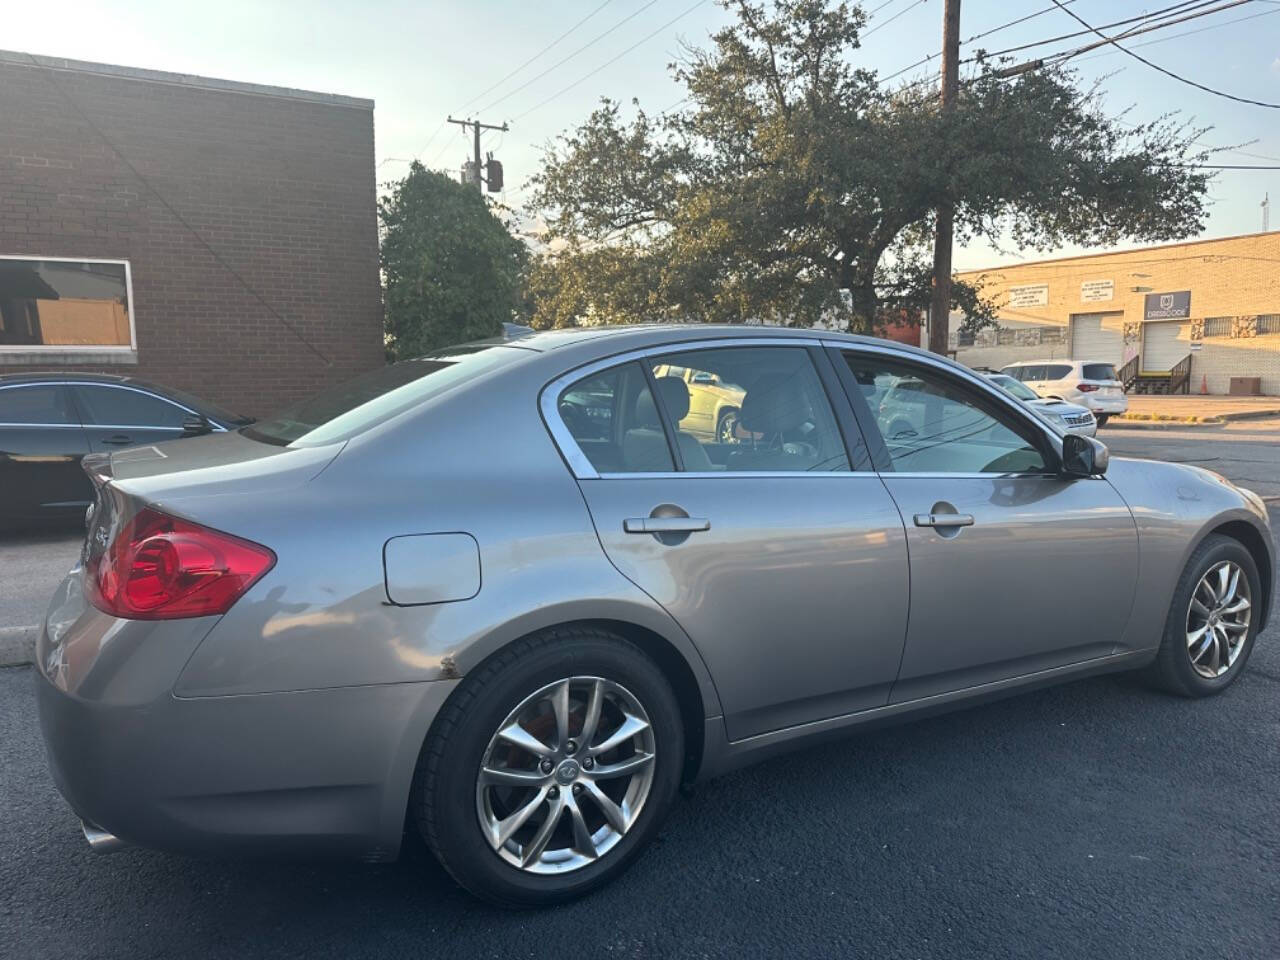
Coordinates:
[550,768]
[1102,419]
[1212,623]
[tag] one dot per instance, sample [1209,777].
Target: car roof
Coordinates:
[180,397]
[640,335]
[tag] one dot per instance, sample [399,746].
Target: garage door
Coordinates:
[1097,336]
[1164,344]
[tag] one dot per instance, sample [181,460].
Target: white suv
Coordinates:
[1091,384]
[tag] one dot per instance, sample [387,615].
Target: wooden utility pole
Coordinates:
[475,168]
[940,307]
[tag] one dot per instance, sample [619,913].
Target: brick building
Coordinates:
[214,236]
[1216,302]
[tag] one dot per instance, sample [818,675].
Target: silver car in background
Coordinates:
[1062,416]
[501,596]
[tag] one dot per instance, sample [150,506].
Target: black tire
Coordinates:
[1172,669]
[443,801]
[1102,419]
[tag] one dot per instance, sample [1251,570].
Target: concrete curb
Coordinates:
[1180,424]
[17,645]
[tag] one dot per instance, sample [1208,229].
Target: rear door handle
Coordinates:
[944,520]
[118,440]
[665,524]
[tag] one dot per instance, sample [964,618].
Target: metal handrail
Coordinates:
[1128,373]
[1180,376]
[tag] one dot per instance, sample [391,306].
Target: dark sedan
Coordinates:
[49,421]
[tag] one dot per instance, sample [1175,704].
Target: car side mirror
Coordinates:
[195,426]
[1083,456]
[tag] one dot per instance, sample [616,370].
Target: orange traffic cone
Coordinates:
[1204,384]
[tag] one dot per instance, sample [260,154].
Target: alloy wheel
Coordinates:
[1218,619]
[566,775]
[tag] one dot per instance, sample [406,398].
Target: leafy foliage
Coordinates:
[452,271]
[791,188]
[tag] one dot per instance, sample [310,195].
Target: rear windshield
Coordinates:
[343,411]
[1099,371]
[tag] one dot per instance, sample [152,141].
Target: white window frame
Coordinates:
[78,349]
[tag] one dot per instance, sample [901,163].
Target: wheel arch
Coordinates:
[1248,536]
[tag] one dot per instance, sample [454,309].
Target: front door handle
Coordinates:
[665,524]
[944,520]
[118,440]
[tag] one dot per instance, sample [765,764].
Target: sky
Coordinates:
[423,61]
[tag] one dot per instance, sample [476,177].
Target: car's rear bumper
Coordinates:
[312,771]
[1104,405]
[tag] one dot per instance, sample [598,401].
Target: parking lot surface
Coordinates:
[1098,819]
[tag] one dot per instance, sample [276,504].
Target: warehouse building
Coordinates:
[1186,317]
[214,236]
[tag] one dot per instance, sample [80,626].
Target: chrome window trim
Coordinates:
[217,428]
[726,474]
[73,348]
[146,393]
[44,426]
[582,467]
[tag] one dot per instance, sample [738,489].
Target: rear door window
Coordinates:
[123,407]
[37,404]
[1099,371]
[1056,371]
[750,410]
[615,423]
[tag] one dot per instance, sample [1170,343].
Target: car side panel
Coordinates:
[321,618]
[1174,507]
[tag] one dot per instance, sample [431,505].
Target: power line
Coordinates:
[490,89]
[885,23]
[615,59]
[1187,33]
[1168,73]
[976,36]
[561,62]
[1154,15]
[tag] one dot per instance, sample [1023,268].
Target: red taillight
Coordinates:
[1088,387]
[163,568]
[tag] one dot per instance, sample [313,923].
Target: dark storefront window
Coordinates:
[77,304]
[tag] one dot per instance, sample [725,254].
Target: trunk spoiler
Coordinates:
[98,467]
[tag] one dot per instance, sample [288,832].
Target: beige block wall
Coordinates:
[1235,276]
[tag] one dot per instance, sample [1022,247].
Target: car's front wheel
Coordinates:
[1212,623]
[550,767]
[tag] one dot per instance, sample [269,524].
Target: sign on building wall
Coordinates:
[1167,306]
[1030,295]
[1097,291]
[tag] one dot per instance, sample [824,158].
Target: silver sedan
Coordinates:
[505,596]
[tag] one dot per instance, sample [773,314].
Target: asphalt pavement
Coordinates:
[1097,819]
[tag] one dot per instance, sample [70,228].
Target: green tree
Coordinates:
[792,187]
[452,271]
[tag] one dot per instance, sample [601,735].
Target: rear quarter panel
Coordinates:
[477,461]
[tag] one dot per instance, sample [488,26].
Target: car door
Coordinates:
[1015,569]
[116,416]
[786,568]
[41,445]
